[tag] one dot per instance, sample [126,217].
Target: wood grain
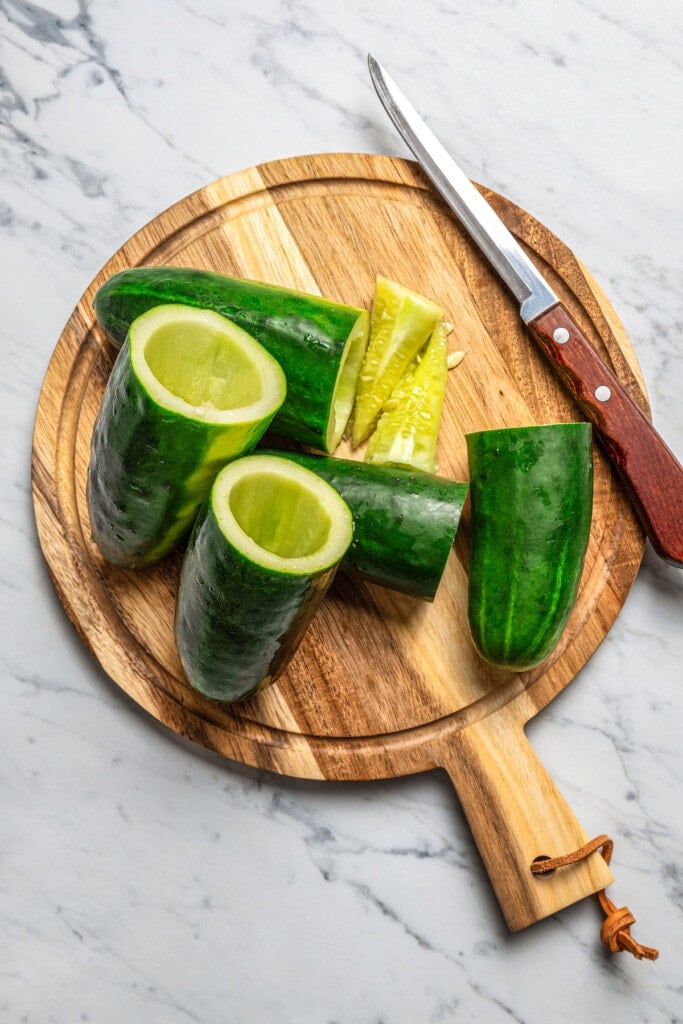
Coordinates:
[382,685]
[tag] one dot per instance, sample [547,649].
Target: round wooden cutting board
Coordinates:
[382,684]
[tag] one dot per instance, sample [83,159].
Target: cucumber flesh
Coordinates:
[320,344]
[405,521]
[188,391]
[197,365]
[531,498]
[400,323]
[408,430]
[264,550]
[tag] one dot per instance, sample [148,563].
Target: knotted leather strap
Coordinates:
[616,928]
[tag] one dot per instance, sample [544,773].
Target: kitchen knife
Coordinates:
[652,474]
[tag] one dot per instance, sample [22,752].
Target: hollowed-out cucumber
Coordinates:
[405,521]
[188,391]
[318,343]
[261,556]
[531,495]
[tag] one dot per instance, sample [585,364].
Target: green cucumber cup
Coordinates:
[320,344]
[531,495]
[263,552]
[405,521]
[188,391]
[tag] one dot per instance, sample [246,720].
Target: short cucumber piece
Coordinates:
[263,552]
[531,498]
[318,343]
[188,391]
[400,323]
[408,429]
[404,521]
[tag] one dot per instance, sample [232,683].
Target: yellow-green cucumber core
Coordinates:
[196,361]
[281,515]
[347,381]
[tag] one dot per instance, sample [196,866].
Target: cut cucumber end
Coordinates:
[347,381]
[534,431]
[532,490]
[405,521]
[196,363]
[281,516]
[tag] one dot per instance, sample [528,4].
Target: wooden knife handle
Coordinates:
[517,816]
[650,471]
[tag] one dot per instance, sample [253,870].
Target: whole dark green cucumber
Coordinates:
[188,391]
[318,343]
[404,521]
[261,556]
[531,494]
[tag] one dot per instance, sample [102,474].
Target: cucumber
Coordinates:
[261,556]
[405,521]
[531,499]
[188,391]
[400,323]
[408,429]
[318,343]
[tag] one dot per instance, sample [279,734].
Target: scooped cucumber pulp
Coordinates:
[400,323]
[408,430]
[263,552]
[188,391]
[404,521]
[319,344]
[531,495]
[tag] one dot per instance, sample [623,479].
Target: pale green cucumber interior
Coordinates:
[202,366]
[347,381]
[280,515]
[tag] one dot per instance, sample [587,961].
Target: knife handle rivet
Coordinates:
[603,393]
[561,335]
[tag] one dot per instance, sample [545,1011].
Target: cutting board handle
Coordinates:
[517,815]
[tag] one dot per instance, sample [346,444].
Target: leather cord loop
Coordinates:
[616,928]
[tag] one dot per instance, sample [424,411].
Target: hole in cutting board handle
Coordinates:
[543,874]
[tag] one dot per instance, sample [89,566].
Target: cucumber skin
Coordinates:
[237,624]
[306,334]
[531,500]
[150,469]
[405,521]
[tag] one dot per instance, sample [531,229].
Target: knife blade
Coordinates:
[650,471]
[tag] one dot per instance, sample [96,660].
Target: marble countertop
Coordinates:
[142,878]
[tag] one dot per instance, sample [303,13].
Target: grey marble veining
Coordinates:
[142,878]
